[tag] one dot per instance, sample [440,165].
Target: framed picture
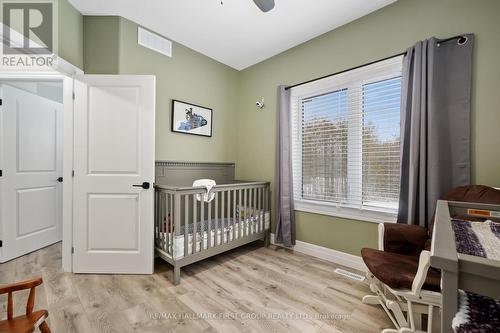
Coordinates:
[189,118]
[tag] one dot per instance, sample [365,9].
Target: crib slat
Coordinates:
[216,236]
[160,205]
[222,228]
[202,223]
[160,219]
[254,215]
[268,198]
[195,224]
[209,231]
[175,217]
[186,225]
[260,210]
[267,203]
[251,220]
[251,203]
[247,209]
[168,225]
[235,220]
[242,211]
[264,207]
[165,222]
[172,222]
[228,223]
[249,223]
[256,205]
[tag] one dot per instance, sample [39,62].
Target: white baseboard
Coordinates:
[338,257]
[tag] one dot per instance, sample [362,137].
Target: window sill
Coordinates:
[367,215]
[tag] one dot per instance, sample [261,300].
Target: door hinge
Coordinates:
[72,250]
[73,173]
[1,173]
[73,95]
[1,101]
[1,243]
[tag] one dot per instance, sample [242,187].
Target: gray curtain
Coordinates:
[284,210]
[435,125]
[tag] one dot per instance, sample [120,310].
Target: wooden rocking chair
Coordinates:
[30,321]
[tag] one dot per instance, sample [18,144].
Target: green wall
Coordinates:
[188,76]
[70,28]
[101,44]
[383,33]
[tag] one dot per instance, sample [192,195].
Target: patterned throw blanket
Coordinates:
[477,314]
[481,239]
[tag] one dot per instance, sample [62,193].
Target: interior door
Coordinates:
[114,137]
[31,146]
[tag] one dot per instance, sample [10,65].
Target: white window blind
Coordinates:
[346,138]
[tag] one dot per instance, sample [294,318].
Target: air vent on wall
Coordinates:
[154,42]
[350,275]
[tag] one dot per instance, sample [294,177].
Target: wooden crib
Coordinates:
[189,228]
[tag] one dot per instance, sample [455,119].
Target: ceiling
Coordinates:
[236,33]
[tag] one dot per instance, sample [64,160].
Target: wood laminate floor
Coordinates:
[250,289]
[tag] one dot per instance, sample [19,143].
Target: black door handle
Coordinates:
[144,185]
[60,179]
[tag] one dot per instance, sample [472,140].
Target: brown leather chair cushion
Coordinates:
[474,193]
[398,270]
[404,239]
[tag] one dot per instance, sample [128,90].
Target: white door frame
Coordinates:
[63,71]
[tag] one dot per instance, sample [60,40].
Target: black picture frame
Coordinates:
[179,111]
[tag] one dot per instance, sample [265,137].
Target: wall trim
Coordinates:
[193,164]
[337,257]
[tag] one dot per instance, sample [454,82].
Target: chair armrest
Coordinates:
[424,262]
[9,288]
[402,238]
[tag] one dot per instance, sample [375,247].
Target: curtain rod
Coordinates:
[462,40]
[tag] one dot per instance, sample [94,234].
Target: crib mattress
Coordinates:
[224,232]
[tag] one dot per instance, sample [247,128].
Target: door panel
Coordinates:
[125,217]
[36,139]
[125,139]
[114,150]
[36,210]
[32,153]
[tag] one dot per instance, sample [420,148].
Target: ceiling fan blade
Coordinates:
[264,5]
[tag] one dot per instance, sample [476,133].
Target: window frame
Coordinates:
[356,78]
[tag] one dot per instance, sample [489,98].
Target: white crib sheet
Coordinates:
[222,236]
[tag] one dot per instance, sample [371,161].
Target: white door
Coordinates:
[31,147]
[114,138]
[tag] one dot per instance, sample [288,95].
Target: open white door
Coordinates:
[31,145]
[114,138]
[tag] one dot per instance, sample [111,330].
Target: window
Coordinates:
[346,142]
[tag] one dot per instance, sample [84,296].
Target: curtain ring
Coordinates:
[462,40]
